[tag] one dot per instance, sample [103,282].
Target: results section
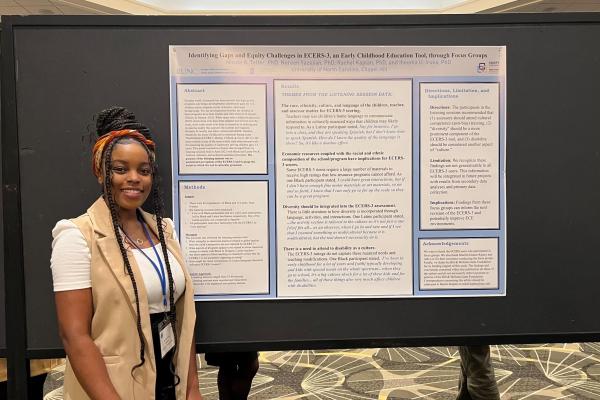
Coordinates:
[343,187]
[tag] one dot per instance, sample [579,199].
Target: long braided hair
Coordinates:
[119,118]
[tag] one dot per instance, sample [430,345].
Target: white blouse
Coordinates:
[71,265]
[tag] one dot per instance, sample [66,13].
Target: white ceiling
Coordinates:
[294,5]
[52,7]
[547,6]
[162,7]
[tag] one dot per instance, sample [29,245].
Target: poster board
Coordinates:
[2,281]
[68,70]
[3,327]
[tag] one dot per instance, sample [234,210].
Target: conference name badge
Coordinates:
[167,336]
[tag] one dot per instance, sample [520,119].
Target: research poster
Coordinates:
[340,172]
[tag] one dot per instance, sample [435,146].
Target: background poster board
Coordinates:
[3,327]
[70,68]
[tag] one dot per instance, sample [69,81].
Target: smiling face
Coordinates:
[131,180]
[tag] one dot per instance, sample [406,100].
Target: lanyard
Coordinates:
[159,271]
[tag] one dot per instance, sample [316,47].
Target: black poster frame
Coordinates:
[17,349]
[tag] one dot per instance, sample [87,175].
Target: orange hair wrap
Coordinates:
[104,140]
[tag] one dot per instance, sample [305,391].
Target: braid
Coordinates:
[116,224]
[158,212]
[118,118]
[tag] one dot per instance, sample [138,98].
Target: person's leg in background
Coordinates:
[35,388]
[3,385]
[477,380]
[35,384]
[236,371]
[238,377]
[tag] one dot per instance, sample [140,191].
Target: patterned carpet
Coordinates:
[532,372]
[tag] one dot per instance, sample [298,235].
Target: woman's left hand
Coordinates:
[193,388]
[194,395]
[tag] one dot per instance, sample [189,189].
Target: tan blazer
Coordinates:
[113,326]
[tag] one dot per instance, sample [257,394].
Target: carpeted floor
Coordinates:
[532,372]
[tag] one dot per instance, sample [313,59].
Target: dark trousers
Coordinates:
[236,371]
[477,380]
[35,388]
[165,380]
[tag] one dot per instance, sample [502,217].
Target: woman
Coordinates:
[124,300]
